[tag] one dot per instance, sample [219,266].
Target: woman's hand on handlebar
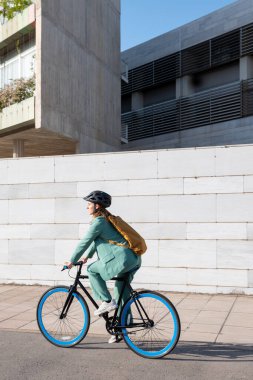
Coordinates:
[68,264]
[84,260]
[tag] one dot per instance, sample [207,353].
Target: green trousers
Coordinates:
[99,287]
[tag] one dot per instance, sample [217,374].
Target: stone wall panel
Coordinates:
[193,207]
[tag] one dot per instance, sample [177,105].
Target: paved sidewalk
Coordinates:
[204,317]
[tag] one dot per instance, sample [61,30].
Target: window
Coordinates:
[21,65]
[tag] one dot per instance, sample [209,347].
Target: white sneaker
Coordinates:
[105,307]
[115,339]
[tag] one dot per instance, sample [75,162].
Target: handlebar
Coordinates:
[79,263]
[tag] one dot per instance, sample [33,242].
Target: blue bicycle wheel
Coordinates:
[150,324]
[71,329]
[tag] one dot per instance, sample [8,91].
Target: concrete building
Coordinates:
[192,86]
[73,48]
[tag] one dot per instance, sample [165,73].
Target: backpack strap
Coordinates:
[125,245]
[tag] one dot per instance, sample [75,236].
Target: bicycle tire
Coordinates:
[150,341]
[72,329]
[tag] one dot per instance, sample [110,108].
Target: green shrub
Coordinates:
[9,8]
[15,92]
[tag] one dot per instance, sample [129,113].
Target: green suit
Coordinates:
[112,260]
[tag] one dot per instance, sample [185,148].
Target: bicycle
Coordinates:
[149,322]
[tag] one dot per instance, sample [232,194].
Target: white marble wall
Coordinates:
[193,206]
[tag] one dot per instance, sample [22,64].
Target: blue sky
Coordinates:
[142,20]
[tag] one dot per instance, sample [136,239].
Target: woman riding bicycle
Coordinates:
[112,260]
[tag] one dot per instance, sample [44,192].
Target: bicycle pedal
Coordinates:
[106,312]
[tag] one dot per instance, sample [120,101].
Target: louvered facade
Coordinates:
[205,82]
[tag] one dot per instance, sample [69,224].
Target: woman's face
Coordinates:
[91,207]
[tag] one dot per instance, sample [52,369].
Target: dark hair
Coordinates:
[101,212]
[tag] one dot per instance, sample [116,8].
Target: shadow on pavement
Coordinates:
[100,345]
[191,351]
[186,351]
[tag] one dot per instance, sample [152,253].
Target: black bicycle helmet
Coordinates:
[99,197]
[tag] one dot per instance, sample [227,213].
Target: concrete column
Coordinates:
[184,86]
[18,148]
[246,67]
[178,87]
[77,148]
[137,100]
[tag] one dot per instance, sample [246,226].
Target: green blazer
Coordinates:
[114,259]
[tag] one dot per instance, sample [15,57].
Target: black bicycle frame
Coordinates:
[133,293]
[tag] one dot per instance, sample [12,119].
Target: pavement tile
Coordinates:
[184,326]
[175,301]
[223,297]
[236,334]
[6,296]
[98,327]
[31,326]
[209,321]
[18,308]
[172,294]
[5,288]
[228,338]
[3,306]
[242,307]
[211,317]
[30,304]
[196,296]
[11,324]
[240,320]
[212,314]
[197,327]
[191,336]
[238,331]
[187,316]
[7,314]
[175,298]
[16,300]
[218,305]
[245,299]
[16,289]
[188,304]
[27,316]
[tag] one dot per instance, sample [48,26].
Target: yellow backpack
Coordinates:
[135,241]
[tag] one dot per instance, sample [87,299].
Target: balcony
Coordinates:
[217,105]
[21,24]
[17,115]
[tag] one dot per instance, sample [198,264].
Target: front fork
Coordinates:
[68,301]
